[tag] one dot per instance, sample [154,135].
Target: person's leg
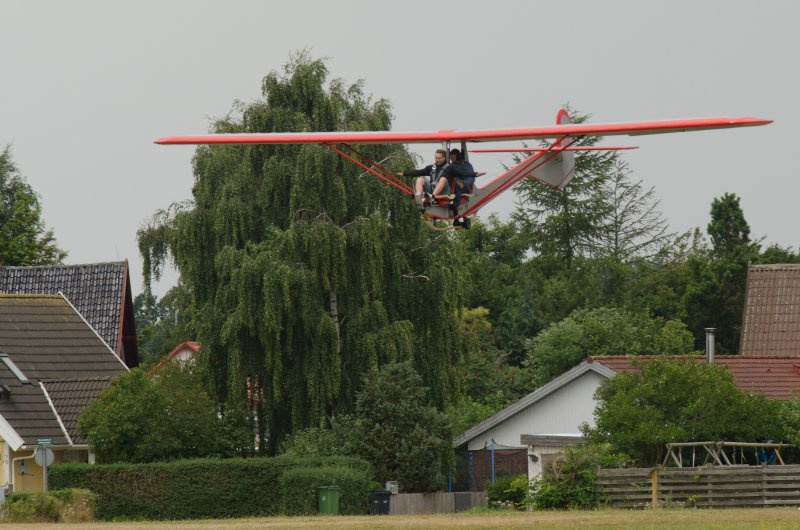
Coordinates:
[459,189]
[440,184]
[418,189]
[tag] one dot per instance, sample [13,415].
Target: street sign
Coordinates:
[44,456]
[44,440]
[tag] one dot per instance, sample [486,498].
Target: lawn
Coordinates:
[762,518]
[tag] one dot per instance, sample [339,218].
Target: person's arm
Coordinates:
[460,172]
[415,172]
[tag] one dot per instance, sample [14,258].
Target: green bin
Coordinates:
[329,500]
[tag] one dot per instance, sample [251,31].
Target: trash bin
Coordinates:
[379,502]
[329,500]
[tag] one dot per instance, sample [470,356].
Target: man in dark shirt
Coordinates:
[461,176]
[429,177]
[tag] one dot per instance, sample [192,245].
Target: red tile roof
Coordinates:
[774,377]
[186,345]
[771,320]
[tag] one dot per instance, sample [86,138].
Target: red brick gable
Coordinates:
[773,377]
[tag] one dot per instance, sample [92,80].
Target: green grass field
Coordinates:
[766,518]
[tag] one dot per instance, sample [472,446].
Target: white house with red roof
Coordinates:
[183,352]
[547,420]
[534,429]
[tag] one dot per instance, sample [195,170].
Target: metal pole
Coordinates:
[710,344]
[492,460]
[486,459]
[471,470]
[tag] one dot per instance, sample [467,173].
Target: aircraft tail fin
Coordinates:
[559,170]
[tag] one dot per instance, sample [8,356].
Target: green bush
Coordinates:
[507,491]
[300,489]
[571,482]
[190,489]
[66,506]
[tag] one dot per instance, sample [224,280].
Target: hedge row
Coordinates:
[300,488]
[206,488]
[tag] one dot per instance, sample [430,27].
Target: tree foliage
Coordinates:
[24,240]
[159,325]
[166,416]
[399,433]
[302,272]
[569,222]
[634,227]
[678,400]
[339,439]
[603,331]
[715,296]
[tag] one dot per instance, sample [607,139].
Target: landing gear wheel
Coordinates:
[466,223]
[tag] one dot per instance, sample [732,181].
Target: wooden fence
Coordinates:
[703,487]
[421,503]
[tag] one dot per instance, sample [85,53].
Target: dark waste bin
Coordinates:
[329,500]
[379,502]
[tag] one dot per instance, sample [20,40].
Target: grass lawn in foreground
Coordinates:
[734,518]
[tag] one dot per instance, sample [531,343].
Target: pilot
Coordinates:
[429,176]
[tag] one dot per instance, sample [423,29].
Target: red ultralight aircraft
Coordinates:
[553,165]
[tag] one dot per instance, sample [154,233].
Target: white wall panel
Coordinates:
[562,412]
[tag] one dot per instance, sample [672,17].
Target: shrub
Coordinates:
[571,484]
[403,437]
[149,418]
[300,489]
[339,439]
[507,491]
[67,506]
[190,489]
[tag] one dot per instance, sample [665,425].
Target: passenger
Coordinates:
[423,188]
[461,176]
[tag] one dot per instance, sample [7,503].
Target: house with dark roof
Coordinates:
[531,431]
[52,364]
[101,292]
[771,317]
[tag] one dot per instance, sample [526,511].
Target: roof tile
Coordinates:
[771,320]
[95,289]
[774,377]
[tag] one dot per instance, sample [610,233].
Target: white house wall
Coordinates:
[561,412]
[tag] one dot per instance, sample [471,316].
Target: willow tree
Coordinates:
[303,271]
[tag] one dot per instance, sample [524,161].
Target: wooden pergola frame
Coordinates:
[715,452]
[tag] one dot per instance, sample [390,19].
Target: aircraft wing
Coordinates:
[392,137]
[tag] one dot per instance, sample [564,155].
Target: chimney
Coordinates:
[710,345]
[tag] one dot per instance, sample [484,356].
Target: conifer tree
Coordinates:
[24,240]
[304,272]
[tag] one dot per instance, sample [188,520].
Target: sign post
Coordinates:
[44,456]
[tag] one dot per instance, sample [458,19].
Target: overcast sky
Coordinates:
[86,86]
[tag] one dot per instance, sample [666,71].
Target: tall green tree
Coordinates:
[715,297]
[728,229]
[400,433]
[567,223]
[24,240]
[304,272]
[634,227]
